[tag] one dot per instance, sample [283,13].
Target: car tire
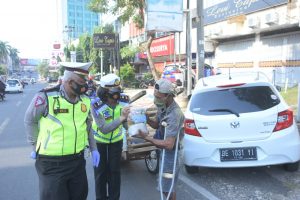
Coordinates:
[191,169]
[291,167]
[152,162]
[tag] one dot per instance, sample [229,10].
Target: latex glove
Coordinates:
[33,155]
[95,158]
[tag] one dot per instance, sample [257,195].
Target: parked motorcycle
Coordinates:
[144,84]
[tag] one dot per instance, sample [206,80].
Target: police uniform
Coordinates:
[109,133]
[59,129]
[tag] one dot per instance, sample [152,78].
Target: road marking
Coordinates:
[3,125]
[198,188]
[18,103]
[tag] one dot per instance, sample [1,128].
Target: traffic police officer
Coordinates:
[58,125]
[109,115]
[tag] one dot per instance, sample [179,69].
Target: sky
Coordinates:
[30,26]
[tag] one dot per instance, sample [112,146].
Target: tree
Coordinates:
[43,69]
[126,10]
[127,74]
[3,51]
[13,54]
[128,53]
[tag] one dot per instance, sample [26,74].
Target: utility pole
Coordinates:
[200,40]
[188,50]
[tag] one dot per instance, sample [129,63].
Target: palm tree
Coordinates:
[13,53]
[3,51]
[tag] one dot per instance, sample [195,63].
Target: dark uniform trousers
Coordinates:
[108,171]
[62,177]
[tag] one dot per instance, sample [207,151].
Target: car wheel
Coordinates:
[152,162]
[291,167]
[191,169]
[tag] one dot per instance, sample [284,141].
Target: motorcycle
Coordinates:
[144,84]
[2,90]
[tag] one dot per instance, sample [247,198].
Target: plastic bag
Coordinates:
[137,121]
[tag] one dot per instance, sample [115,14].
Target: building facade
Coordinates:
[75,19]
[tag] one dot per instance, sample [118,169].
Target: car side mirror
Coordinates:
[278,88]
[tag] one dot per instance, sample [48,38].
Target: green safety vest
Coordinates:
[109,115]
[64,130]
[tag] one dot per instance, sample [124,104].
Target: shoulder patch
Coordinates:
[39,101]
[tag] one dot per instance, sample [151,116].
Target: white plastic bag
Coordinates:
[137,121]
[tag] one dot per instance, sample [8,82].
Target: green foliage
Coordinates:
[148,76]
[2,70]
[127,75]
[43,69]
[128,51]
[130,9]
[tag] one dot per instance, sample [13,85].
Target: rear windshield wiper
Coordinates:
[225,110]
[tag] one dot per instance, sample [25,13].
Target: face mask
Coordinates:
[80,89]
[115,96]
[160,103]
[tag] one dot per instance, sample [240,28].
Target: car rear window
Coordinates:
[238,100]
[12,82]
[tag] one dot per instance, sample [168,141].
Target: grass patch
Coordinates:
[290,96]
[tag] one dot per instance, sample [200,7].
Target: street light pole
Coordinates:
[188,50]
[200,40]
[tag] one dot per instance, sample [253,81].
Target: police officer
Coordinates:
[109,115]
[169,112]
[58,125]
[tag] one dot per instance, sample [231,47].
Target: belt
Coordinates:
[62,157]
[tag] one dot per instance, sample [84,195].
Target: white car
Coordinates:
[13,85]
[239,120]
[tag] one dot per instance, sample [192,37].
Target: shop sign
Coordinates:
[163,46]
[230,8]
[104,40]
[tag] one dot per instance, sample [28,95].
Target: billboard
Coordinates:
[163,46]
[164,15]
[230,8]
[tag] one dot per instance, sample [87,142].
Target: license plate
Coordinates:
[238,154]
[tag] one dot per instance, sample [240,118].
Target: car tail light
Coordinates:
[177,71]
[284,120]
[190,128]
[230,85]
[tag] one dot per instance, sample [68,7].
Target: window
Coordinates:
[240,100]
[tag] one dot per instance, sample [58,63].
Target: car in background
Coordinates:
[175,73]
[13,85]
[32,81]
[239,120]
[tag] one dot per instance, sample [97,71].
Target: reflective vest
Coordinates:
[109,115]
[64,130]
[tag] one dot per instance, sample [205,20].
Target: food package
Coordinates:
[137,121]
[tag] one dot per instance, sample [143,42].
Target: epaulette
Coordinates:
[97,103]
[124,98]
[51,89]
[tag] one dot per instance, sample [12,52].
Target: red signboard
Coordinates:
[163,46]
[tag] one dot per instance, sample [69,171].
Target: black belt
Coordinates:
[62,157]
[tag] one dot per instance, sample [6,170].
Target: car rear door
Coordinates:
[235,114]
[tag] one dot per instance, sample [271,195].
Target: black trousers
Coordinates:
[62,178]
[108,175]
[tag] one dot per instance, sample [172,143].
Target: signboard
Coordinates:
[164,15]
[230,8]
[104,40]
[163,46]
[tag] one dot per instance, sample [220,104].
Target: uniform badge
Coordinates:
[106,114]
[39,101]
[83,108]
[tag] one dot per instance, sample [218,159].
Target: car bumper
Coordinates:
[279,148]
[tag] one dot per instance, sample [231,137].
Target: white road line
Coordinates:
[18,103]
[198,188]
[3,125]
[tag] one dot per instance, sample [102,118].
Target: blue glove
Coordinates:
[95,158]
[33,155]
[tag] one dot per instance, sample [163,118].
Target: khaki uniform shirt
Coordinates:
[39,108]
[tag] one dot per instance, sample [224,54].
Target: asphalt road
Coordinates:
[18,179]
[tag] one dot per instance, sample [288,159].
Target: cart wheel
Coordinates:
[152,162]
